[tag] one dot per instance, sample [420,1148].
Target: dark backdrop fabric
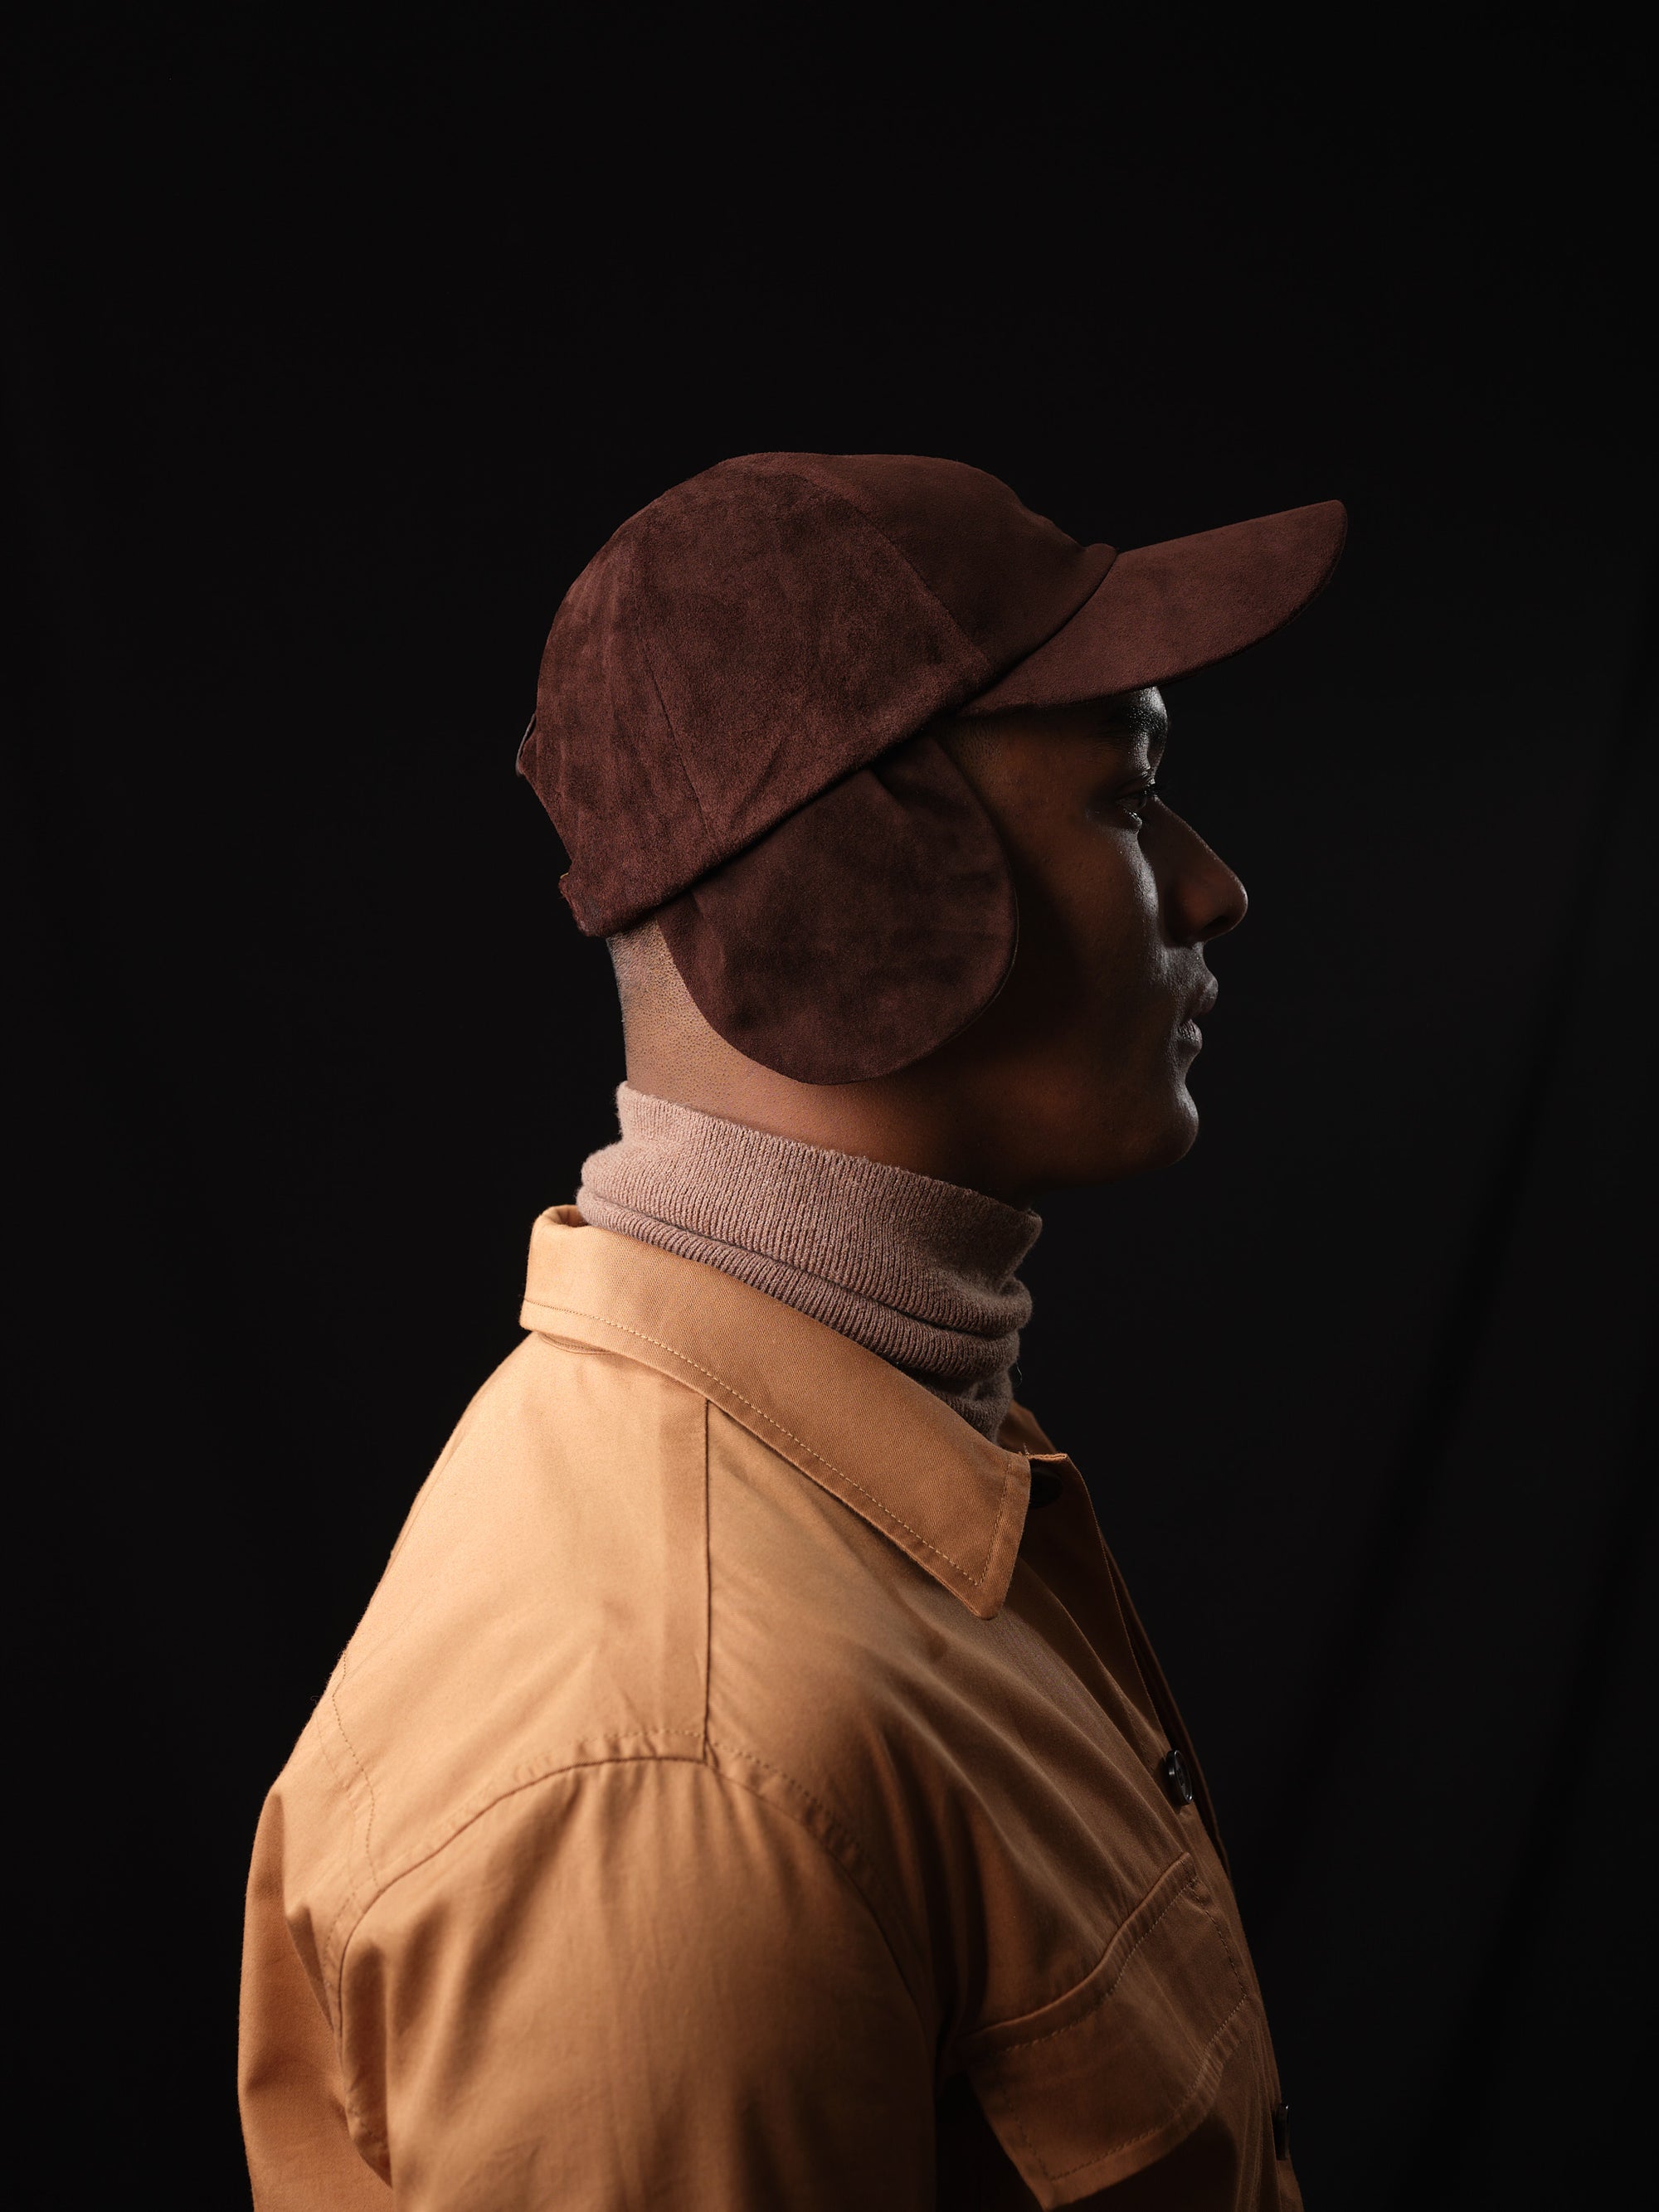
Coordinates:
[338,344]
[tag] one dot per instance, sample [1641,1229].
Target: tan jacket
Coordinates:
[733,1799]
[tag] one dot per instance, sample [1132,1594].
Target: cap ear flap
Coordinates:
[860,934]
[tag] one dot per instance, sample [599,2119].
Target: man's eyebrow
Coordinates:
[1140,715]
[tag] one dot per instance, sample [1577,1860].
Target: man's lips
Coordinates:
[1201,1006]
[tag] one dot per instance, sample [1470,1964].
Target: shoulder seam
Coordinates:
[607,1763]
[422,1855]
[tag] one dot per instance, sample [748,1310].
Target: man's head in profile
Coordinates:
[752,1786]
[857,761]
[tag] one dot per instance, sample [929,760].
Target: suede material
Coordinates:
[1166,610]
[1010,578]
[761,631]
[901,925]
[729,688]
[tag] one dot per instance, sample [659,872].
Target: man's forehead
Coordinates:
[1121,720]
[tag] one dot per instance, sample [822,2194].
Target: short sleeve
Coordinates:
[636,1983]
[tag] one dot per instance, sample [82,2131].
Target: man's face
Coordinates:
[1086,1052]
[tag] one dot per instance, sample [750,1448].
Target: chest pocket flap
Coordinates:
[1115,2074]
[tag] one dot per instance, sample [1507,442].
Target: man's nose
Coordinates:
[1203,898]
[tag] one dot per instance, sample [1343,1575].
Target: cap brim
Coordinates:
[1166,610]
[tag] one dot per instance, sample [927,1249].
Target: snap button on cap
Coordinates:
[1176,1781]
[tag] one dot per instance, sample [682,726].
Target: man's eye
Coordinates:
[1111,806]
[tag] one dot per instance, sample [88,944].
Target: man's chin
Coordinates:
[1113,1152]
[1176,1137]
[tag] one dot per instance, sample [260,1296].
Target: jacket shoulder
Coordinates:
[545,1606]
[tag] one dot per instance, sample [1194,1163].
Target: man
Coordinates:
[750,1785]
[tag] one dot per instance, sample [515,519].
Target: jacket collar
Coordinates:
[891,1451]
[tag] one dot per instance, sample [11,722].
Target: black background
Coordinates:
[340,343]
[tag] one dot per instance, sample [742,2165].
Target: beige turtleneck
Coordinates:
[918,1271]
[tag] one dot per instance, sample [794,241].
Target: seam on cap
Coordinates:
[828,492]
[679,749]
[900,554]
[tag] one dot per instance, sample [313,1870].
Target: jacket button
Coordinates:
[1282,2130]
[1176,1781]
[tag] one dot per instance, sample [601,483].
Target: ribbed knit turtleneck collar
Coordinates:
[920,1271]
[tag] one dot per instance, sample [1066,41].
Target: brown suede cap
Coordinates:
[732,726]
